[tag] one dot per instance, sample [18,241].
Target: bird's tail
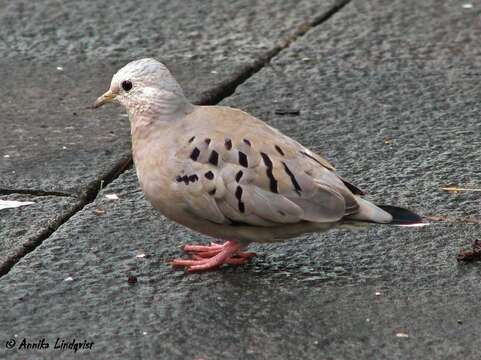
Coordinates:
[384,214]
[401,216]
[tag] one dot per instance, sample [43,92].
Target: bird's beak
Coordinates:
[109,96]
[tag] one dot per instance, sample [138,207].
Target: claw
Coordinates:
[213,256]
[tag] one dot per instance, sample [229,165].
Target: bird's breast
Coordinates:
[153,172]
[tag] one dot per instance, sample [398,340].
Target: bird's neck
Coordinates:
[158,113]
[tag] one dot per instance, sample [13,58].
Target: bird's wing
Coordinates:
[246,172]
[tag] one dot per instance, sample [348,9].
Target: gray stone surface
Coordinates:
[429,35]
[394,122]
[208,44]
[302,299]
[216,31]
[53,142]
[20,228]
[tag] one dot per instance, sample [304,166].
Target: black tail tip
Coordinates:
[402,216]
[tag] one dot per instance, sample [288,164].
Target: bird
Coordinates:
[224,173]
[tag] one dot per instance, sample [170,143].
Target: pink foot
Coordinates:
[213,256]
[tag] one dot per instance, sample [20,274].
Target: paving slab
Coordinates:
[394,34]
[345,294]
[384,292]
[21,228]
[58,58]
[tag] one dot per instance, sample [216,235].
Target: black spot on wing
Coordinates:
[352,188]
[214,158]
[270,175]
[238,176]
[207,141]
[296,185]
[279,150]
[242,207]
[195,154]
[212,192]
[243,159]
[209,175]
[191,139]
[228,144]
[247,142]
[238,195]
[186,179]
[267,160]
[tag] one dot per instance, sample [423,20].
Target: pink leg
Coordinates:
[213,256]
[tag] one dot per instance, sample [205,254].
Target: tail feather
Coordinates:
[384,214]
[369,212]
[401,216]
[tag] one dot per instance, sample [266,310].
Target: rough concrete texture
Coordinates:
[54,141]
[398,129]
[393,34]
[302,299]
[216,31]
[21,228]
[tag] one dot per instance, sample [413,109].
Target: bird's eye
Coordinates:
[126,85]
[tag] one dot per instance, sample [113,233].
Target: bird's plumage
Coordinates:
[226,168]
[225,173]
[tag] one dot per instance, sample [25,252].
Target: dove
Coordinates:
[224,173]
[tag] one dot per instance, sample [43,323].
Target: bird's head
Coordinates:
[143,84]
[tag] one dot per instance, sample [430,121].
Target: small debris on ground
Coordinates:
[402,335]
[99,211]
[388,141]
[473,255]
[132,279]
[112,196]
[456,189]
[68,278]
[287,112]
[9,204]
[140,255]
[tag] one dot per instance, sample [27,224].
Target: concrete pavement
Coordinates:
[388,91]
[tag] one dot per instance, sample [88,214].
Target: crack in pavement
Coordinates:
[86,198]
[210,97]
[227,88]
[34,192]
